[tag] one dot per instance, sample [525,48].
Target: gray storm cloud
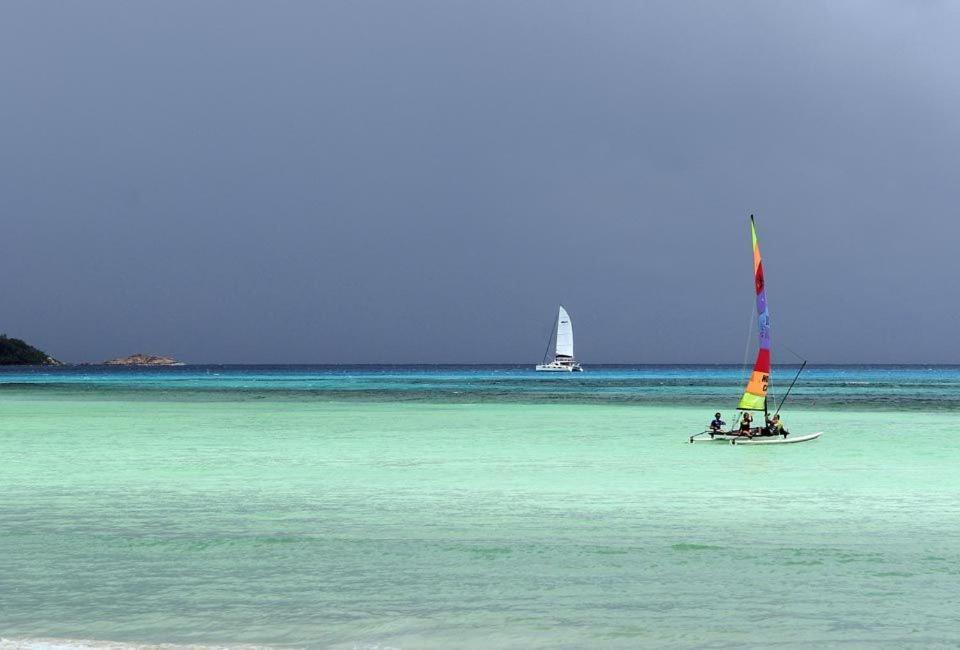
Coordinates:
[425,181]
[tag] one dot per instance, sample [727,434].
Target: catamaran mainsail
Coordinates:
[755,396]
[563,360]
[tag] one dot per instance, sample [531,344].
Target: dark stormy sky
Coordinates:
[424,181]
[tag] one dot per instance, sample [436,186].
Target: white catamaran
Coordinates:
[755,396]
[563,360]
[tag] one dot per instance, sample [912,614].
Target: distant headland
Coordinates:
[15,352]
[143,360]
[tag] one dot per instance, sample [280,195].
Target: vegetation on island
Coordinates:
[15,352]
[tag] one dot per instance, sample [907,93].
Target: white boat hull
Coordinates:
[754,440]
[720,437]
[775,440]
[556,366]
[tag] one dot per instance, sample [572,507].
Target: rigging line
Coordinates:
[550,337]
[745,369]
[771,393]
[754,315]
[793,353]
[791,387]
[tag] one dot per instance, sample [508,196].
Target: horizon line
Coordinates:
[187,364]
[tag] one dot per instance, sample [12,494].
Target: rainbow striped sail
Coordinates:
[755,397]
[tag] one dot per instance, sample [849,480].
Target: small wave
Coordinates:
[696,547]
[40,643]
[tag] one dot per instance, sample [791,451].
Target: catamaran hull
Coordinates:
[775,440]
[755,440]
[716,438]
[553,368]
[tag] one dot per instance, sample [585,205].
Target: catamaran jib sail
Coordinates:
[755,396]
[564,335]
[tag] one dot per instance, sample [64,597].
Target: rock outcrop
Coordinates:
[143,360]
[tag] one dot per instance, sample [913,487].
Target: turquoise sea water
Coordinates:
[474,508]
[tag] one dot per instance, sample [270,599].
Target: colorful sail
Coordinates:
[755,397]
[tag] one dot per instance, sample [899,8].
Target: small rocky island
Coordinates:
[143,360]
[15,352]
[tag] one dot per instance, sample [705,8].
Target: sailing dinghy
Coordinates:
[563,360]
[755,396]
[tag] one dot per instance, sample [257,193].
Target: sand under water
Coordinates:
[376,508]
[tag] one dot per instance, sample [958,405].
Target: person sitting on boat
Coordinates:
[717,425]
[745,423]
[776,427]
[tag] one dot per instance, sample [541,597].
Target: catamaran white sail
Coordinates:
[755,396]
[563,359]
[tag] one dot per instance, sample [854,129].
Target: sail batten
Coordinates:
[564,334]
[755,396]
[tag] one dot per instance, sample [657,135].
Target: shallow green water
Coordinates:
[353,523]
